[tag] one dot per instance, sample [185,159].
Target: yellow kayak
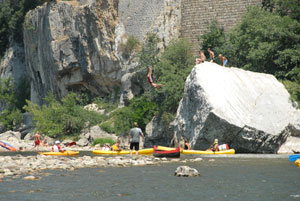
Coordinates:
[65,153]
[124,152]
[297,163]
[229,151]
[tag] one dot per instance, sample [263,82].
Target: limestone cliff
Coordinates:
[69,45]
[252,112]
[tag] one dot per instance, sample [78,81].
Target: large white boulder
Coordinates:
[252,112]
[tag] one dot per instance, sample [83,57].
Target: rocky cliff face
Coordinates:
[70,45]
[13,63]
[73,45]
[251,112]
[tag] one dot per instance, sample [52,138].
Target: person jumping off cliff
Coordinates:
[223,59]
[211,55]
[150,80]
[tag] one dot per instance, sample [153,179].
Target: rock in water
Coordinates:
[186,171]
[252,112]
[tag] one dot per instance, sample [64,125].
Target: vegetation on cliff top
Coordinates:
[267,42]
[12,13]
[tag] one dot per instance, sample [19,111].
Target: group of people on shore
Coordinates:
[212,57]
[197,61]
[133,141]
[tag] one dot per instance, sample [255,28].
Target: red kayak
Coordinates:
[7,146]
[166,153]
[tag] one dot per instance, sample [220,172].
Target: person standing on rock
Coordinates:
[197,61]
[202,56]
[223,59]
[134,138]
[37,140]
[150,80]
[211,55]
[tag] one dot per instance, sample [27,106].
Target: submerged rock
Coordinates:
[251,112]
[186,171]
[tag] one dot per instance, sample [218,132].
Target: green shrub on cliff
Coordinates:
[103,141]
[12,13]
[130,46]
[62,118]
[140,110]
[173,67]
[10,115]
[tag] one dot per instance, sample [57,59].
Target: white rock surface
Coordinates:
[186,171]
[247,110]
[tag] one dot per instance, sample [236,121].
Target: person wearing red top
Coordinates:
[37,140]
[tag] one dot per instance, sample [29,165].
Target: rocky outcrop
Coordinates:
[158,133]
[167,25]
[13,63]
[88,136]
[186,171]
[252,112]
[69,45]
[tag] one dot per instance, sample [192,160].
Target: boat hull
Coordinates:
[65,153]
[229,151]
[173,153]
[7,146]
[123,152]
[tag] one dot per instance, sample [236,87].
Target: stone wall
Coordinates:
[197,14]
[138,15]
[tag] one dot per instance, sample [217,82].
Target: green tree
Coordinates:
[12,14]
[266,42]
[283,7]
[172,70]
[216,40]
[10,115]
[62,118]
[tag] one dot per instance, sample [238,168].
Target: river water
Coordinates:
[238,177]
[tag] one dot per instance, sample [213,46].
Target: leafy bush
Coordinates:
[130,46]
[12,13]
[172,70]
[294,90]
[102,141]
[61,119]
[140,110]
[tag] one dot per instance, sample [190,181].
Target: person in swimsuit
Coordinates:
[187,146]
[117,146]
[223,59]
[211,55]
[37,140]
[150,80]
[202,56]
[197,61]
[214,147]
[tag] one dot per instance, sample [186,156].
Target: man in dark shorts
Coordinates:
[134,138]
